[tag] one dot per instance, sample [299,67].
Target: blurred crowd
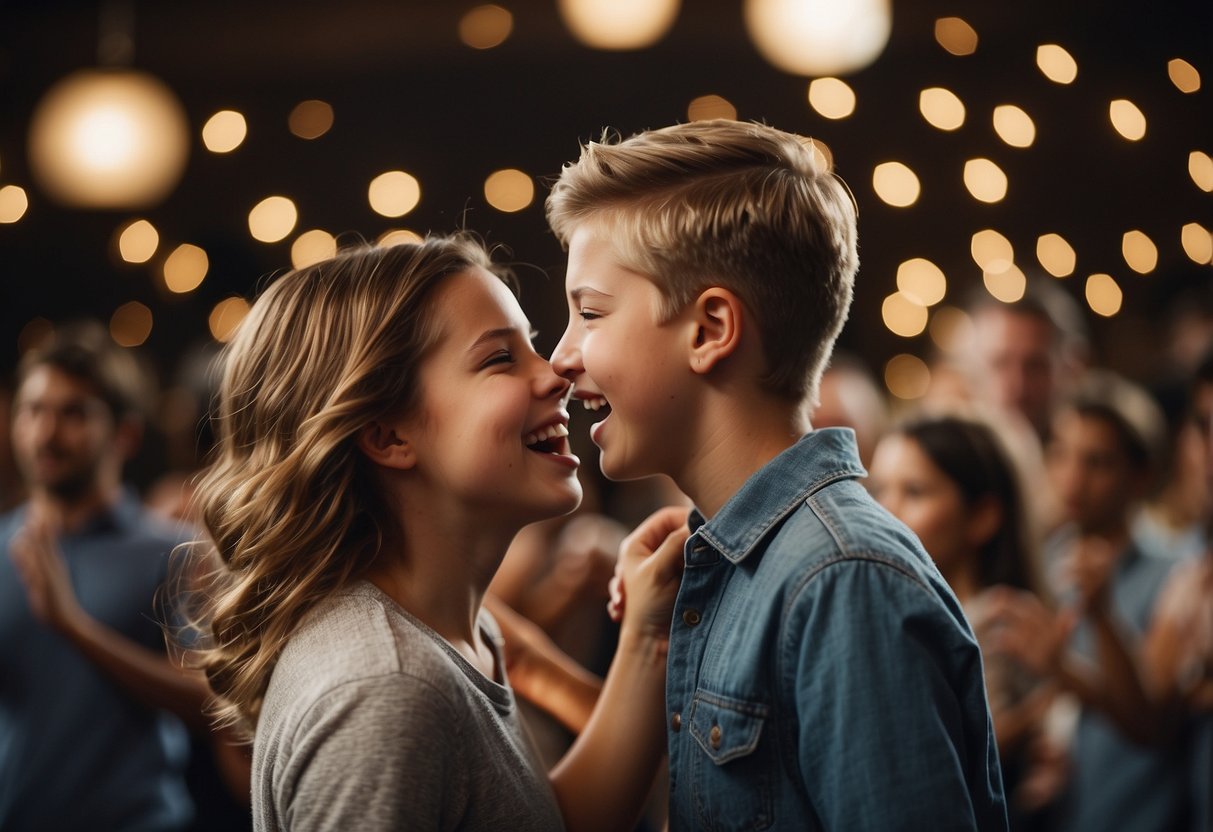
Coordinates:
[1067,506]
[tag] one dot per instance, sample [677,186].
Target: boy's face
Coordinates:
[625,365]
[1095,480]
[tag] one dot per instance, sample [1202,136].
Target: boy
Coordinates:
[821,674]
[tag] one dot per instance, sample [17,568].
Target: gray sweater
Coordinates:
[373,721]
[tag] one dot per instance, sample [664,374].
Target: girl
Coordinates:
[384,430]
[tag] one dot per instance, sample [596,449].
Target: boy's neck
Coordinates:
[740,436]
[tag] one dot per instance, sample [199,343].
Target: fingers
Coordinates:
[653,531]
[616,604]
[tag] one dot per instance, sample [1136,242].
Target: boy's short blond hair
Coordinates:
[732,204]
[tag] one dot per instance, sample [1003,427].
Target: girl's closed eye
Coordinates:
[500,357]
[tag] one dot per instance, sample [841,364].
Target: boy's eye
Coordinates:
[587,315]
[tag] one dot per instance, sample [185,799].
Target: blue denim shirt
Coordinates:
[821,673]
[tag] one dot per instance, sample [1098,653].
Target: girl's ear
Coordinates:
[384,444]
[717,318]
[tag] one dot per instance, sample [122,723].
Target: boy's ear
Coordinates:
[384,445]
[717,317]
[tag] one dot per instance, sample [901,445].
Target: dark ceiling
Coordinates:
[407,94]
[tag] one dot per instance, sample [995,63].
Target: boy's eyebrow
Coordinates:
[581,291]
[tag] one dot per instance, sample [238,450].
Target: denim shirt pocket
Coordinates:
[732,776]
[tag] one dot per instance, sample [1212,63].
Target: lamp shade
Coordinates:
[104,138]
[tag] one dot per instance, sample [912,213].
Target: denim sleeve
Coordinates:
[894,731]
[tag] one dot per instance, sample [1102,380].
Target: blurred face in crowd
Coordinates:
[1095,480]
[1202,416]
[906,481]
[63,433]
[1016,363]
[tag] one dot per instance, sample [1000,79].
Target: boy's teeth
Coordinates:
[594,404]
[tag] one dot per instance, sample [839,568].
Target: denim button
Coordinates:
[714,736]
[691,617]
[676,721]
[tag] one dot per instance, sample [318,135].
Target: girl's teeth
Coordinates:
[545,433]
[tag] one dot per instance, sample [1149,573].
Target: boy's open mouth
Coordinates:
[552,439]
[596,403]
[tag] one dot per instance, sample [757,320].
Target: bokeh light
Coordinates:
[1139,251]
[896,184]
[951,329]
[1103,295]
[956,36]
[819,37]
[1056,63]
[1128,120]
[131,324]
[907,376]
[509,190]
[272,219]
[311,247]
[921,281]
[485,26]
[310,119]
[1014,126]
[902,316]
[394,194]
[1056,255]
[1197,243]
[991,251]
[397,236]
[1007,285]
[941,108]
[707,107]
[618,24]
[185,268]
[13,203]
[1200,168]
[224,131]
[985,180]
[1183,75]
[225,317]
[833,98]
[138,241]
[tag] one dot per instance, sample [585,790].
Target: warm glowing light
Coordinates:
[831,97]
[138,241]
[1056,63]
[13,203]
[130,324]
[956,36]
[1014,126]
[941,108]
[991,251]
[509,190]
[225,317]
[311,247]
[1007,285]
[272,219]
[394,194]
[1197,243]
[819,37]
[310,119]
[485,27]
[1103,295]
[707,107]
[1056,255]
[1128,120]
[921,281]
[224,131]
[907,376]
[903,316]
[951,329]
[618,24]
[1200,168]
[896,184]
[398,236]
[185,268]
[985,180]
[1139,251]
[109,139]
[1183,75]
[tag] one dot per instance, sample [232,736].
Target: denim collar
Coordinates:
[817,459]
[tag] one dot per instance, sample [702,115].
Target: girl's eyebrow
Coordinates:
[503,332]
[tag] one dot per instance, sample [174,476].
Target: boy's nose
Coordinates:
[566,358]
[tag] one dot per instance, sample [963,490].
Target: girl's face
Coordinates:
[491,433]
[916,492]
